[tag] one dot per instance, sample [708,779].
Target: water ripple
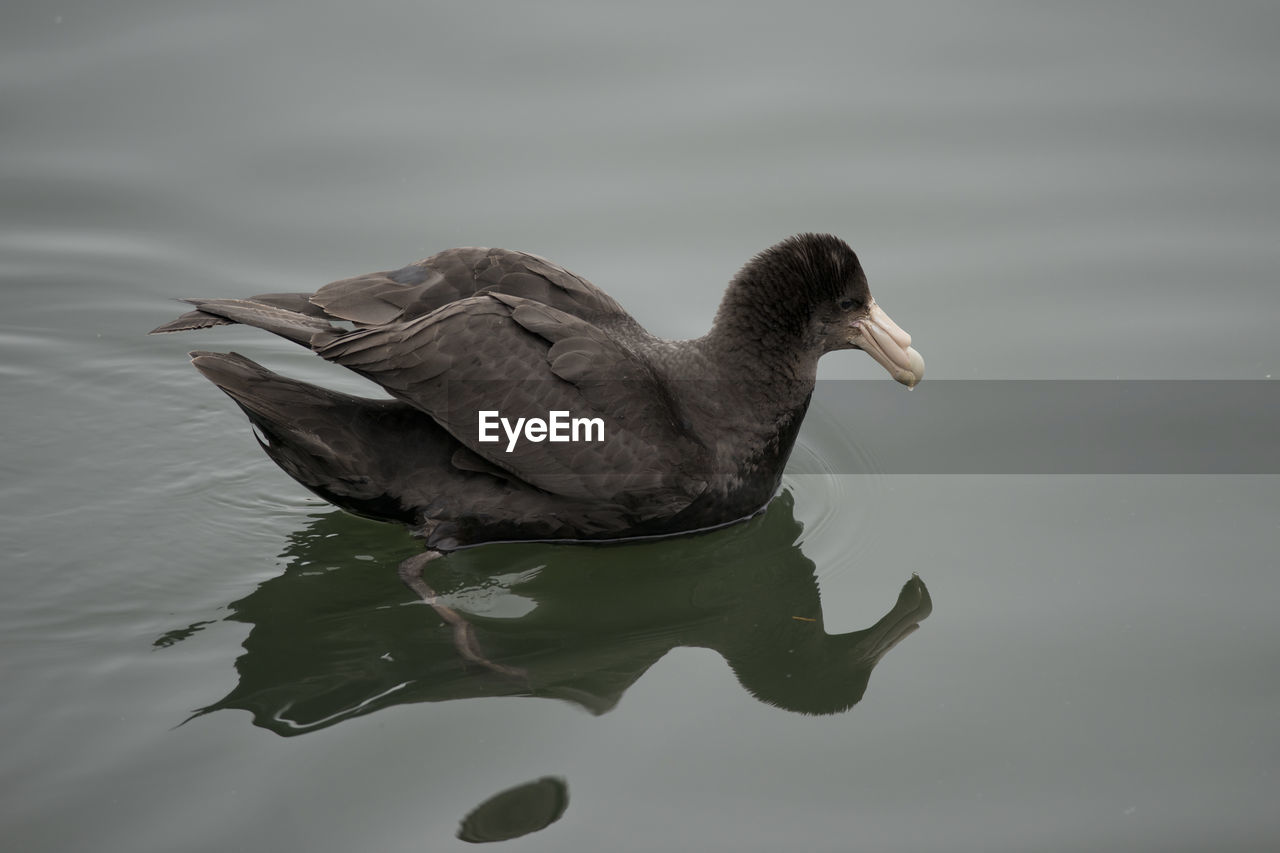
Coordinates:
[835,480]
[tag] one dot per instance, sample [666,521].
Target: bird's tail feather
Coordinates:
[327,441]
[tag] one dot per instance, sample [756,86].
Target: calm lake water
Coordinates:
[200,656]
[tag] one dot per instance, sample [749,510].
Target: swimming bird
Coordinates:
[677,435]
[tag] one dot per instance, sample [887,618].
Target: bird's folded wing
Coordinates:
[394,296]
[518,358]
[418,289]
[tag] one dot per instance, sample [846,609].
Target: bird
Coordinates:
[677,436]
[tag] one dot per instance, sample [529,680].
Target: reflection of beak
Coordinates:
[913,607]
[884,341]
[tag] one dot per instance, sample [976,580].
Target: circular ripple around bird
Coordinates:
[835,480]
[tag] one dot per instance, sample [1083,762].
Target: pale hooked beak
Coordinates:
[883,340]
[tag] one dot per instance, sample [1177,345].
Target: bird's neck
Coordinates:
[757,399]
[751,347]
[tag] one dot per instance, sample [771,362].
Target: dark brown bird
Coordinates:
[694,433]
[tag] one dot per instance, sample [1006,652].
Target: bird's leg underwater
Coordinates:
[411,573]
[464,636]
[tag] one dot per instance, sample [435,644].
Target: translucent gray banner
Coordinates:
[878,426]
[1057,426]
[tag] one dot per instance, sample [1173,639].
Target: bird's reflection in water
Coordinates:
[337,635]
[516,811]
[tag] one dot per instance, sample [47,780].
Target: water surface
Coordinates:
[1037,193]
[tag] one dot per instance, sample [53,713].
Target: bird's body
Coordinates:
[692,433]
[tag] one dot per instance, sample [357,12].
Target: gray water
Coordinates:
[1037,192]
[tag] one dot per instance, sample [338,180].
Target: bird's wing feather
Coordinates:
[524,359]
[394,296]
[418,289]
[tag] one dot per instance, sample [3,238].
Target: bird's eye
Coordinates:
[847,304]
